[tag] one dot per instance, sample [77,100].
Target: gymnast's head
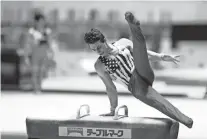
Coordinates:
[96,41]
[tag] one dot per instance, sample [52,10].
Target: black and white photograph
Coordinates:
[100,69]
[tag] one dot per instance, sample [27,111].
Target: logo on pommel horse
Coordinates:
[75,131]
[95,132]
[105,132]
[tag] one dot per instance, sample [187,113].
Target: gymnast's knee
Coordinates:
[144,96]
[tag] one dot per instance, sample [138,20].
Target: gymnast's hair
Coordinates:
[93,36]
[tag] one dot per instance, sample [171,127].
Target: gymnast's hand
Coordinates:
[170,58]
[112,113]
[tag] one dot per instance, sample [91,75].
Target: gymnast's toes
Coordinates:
[131,19]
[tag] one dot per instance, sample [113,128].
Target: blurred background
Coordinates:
[176,28]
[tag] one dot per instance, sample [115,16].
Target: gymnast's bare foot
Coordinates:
[131,19]
[190,123]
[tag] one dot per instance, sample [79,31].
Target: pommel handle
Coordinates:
[117,116]
[86,106]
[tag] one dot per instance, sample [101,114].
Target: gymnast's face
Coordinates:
[99,47]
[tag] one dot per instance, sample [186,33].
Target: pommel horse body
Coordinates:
[100,127]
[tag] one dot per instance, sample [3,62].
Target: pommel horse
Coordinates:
[100,127]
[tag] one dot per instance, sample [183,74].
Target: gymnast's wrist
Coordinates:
[112,110]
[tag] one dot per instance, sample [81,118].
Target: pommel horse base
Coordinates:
[100,127]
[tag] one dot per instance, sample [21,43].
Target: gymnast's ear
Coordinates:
[102,38]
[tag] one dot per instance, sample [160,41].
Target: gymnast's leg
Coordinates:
[143,82]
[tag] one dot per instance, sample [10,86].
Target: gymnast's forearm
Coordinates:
[153,56]
[113,98]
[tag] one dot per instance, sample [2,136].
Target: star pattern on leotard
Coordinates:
[110,64]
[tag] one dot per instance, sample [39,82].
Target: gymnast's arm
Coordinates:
[110,87]
[153,56]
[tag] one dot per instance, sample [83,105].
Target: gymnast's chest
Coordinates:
[111,64]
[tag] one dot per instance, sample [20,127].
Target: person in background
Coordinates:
[38,50]
[127,62]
